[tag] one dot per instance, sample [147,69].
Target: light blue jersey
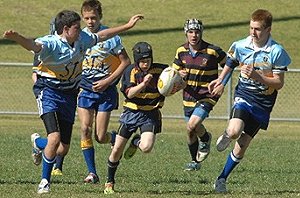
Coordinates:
[270,59]
[100,60]
[60,64]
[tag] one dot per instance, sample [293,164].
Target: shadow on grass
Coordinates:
[179,29]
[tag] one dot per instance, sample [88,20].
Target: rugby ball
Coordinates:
[170,82]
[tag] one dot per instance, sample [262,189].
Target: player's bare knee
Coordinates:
[190,127]
[146,148]
[233,133]
[86,131]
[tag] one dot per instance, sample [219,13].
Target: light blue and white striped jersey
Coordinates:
[270,59]
[61,64]
[100,60]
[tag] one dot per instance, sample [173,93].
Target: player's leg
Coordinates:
[200,113]
[147,141]
[101,126]
[150,124]
[49,153]
[114,159]
[65,139]
[57,110]
[38,145]
[107,102]
[86,117]
[241,121]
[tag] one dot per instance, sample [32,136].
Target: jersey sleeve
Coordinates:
[128,79]
[232,60]
[280,60]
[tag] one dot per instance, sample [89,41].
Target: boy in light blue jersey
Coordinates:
[59,74]
[36,139]
[263,63]
[102,66]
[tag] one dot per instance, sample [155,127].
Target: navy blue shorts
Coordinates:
[201,110]
[146,121]
[51,100]
[103,101]
[260,116]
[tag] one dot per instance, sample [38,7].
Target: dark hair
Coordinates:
[65,18]
[89,5]
[263,16]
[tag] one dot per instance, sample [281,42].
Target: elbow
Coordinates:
[280,86]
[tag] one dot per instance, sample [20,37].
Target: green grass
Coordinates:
[225,21]
[269,169]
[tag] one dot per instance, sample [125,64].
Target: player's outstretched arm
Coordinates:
[26,43]
[111,32]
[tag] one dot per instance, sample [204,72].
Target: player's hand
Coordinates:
[147,79]
[218,90]
[10,34]
[182,73]
[247,71]
[213,84]
[133,20]
[100,85]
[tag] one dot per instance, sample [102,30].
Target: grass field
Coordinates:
[270,168]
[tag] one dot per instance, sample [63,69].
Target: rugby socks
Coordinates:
[41,142]
[47,167]
[231,163]
[113,137]
[59,162]
[194,149]
[89,155]
[111,171]
[204,137]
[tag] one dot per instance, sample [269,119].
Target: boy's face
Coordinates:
[91,19]
[193,37]
[72,33]
[259,33]
[145,64]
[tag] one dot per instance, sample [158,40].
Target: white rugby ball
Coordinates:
[170,82]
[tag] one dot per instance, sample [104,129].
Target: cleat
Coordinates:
[131,150]
[109,188]
[56,172]
[203,149]
[113,138]
[220,185]
[36,152]
[44,187]
[91,178]
[192,166]
[223,142]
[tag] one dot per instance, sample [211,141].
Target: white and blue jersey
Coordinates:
[60,64]
[59,73]
[100,60]
[268,60]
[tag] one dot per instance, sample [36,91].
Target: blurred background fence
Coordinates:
[16,96]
